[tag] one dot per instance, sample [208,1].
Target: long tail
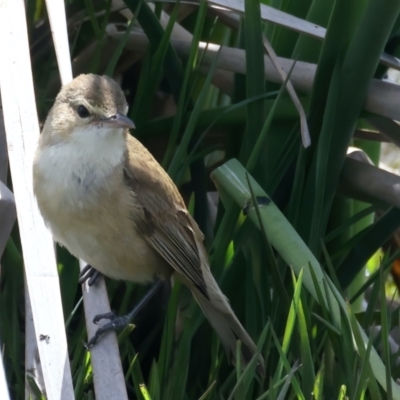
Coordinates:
[224,321]
[218,311]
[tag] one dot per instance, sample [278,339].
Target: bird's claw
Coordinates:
[110,316]
[88,274]
[116,323]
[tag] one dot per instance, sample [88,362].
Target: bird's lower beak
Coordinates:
[119,121]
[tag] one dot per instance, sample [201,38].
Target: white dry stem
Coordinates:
[22,131]
[8,213]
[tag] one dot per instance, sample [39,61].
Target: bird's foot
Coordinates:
[88,274]
[116,323]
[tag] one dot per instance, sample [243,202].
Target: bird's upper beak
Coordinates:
[119,121]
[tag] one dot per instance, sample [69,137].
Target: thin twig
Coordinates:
[305,134]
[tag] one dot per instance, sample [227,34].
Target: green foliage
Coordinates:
[282,247]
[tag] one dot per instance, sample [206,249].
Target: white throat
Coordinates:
[98,146]
[88,156]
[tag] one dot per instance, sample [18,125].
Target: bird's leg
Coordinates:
[88,274]
[117,323]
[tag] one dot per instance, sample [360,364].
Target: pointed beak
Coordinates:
[119,121]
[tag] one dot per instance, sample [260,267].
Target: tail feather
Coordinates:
[227,326]
[218,311]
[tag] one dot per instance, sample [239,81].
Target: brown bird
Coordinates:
[108,201]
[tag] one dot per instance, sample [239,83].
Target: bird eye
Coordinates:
[83,111]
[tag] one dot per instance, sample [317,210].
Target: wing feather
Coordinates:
[174,249]
[160,214]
